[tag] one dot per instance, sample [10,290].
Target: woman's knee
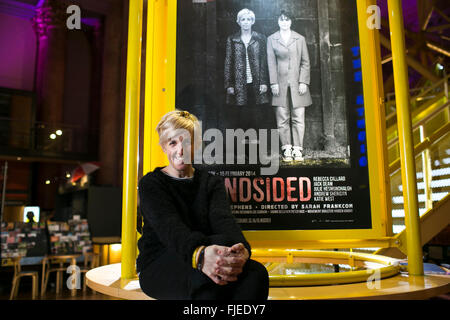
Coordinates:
[255,285]
[298,116]
[258,270]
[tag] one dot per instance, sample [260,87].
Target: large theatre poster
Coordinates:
[277,87]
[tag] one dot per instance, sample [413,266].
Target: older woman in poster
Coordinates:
[289,73]
[191,246]
[246,74]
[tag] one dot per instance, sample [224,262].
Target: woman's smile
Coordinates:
[178,149]
[178,159]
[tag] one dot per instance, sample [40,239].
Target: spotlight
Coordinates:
[47,181]
[53,136]
[439,66]
[59,132]
[68,175]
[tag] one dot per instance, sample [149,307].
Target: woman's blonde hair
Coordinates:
[177,120]
[245,12]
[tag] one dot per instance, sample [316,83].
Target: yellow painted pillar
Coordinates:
[131,140]
[412,221]
[171,59]
[159,77]
[149,58]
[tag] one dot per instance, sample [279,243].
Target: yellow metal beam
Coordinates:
[431,222]
[381,242]
[388,266]
[422,94]
[374,110]
[435,220]
[330,278]
[131,140]
[426,143]
[321,254]
[415,263]
[413,63]
[420,116]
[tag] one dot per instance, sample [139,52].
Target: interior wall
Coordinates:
[17,52]
[77,88]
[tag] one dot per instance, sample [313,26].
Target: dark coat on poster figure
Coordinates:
[289,65]
[235,68]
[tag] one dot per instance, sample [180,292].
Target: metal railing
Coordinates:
[422,92]
[421,97]
[18,136]
[430,126]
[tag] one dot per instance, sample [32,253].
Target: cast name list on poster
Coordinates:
[291,189]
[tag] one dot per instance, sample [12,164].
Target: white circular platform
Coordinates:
[106,280]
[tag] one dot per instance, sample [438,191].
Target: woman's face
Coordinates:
[178,149]
[284,23]
[246,22]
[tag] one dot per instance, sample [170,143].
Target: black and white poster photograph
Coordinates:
[277,88]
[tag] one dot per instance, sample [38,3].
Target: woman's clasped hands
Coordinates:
[223,264]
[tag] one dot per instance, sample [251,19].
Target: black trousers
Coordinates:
[170,278]
[243,116]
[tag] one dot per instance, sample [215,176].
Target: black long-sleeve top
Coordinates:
[182,214]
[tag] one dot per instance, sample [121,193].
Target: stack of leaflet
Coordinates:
[19,239]
[72,237]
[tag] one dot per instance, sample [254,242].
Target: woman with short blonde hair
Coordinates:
[244,12]
[177,120]
[191,247]
[246,77]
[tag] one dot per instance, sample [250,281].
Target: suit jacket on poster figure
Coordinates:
[289,65]
[235,68]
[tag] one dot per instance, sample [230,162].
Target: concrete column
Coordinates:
[50,26]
